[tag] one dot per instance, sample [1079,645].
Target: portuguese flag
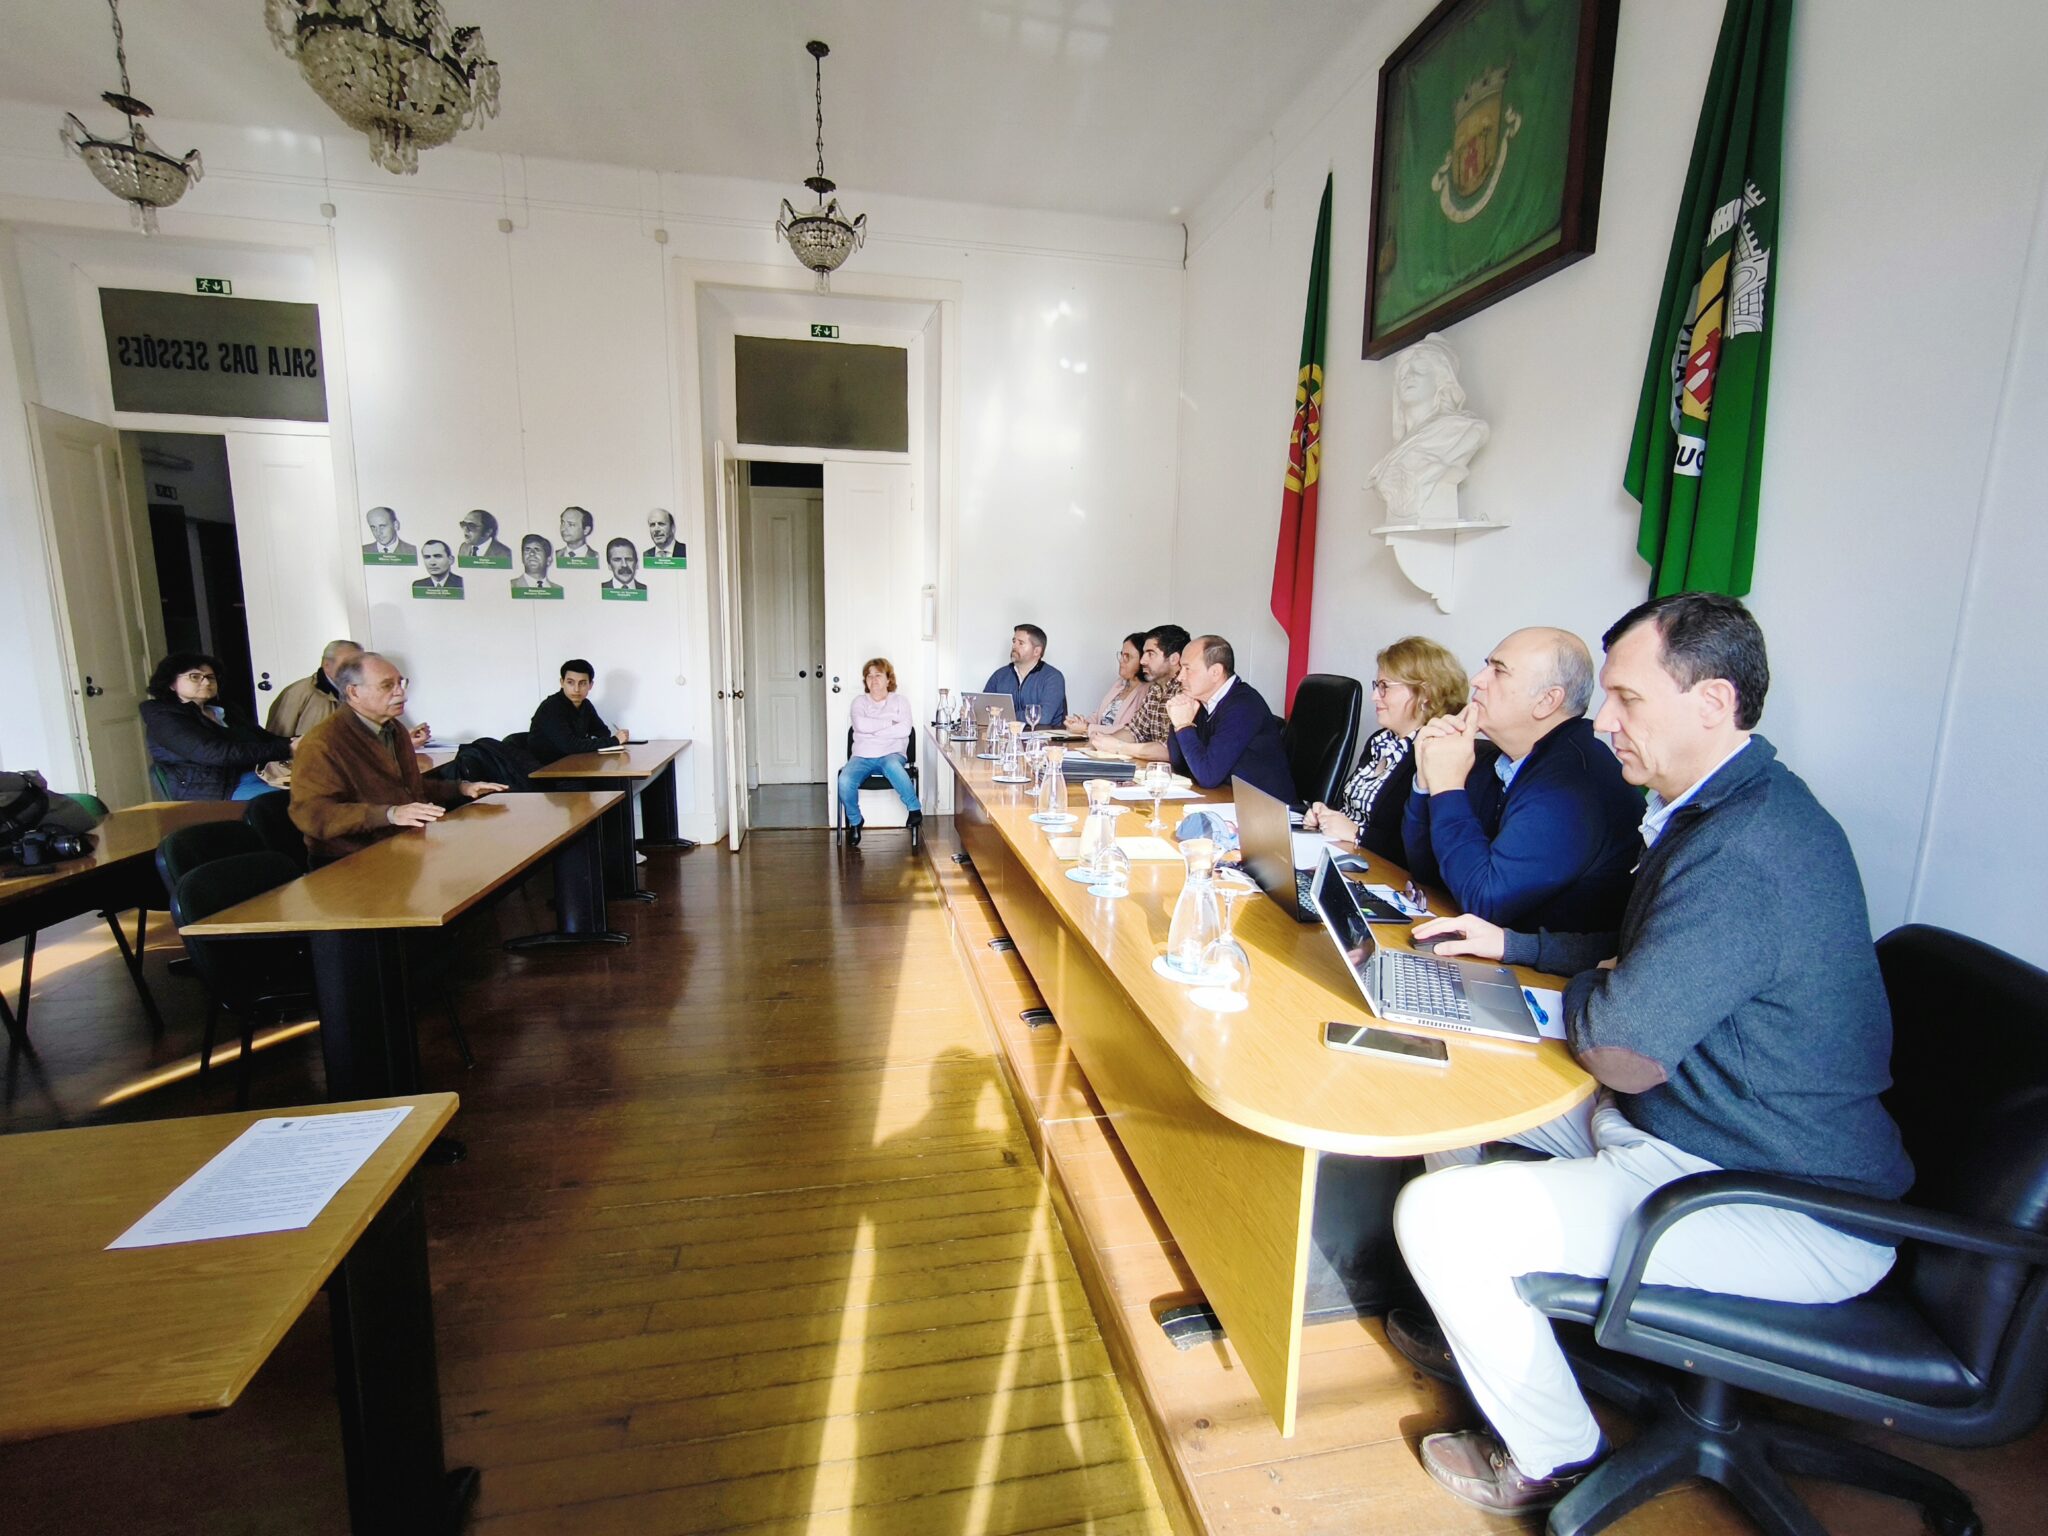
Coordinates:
[1294,562]
[1697,460]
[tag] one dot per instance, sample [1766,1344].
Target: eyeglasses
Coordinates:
[387,685]
[1381,687]
[198,677]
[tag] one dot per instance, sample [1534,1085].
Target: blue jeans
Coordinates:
[893,768]
[250,786]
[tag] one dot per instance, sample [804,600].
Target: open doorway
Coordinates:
[781,528]
[191,504]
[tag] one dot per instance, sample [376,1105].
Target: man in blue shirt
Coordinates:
[1544,834]
[1028,679]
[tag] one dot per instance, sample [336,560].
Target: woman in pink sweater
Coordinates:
[881,734]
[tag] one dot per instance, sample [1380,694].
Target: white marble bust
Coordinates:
[1434,437]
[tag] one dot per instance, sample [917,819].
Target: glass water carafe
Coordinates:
[1196,921]
[1098,832]
[1052,784]
[992,744]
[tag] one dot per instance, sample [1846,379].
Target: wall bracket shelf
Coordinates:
[1428,553]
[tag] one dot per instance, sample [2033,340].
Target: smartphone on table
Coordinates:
[1370,1040]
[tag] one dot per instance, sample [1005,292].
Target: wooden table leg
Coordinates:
[388,1382]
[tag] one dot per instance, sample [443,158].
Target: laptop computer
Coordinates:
[1476,996]
[979,704]
[1265,835]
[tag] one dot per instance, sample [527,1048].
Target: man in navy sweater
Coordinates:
[1735,1019]
[1221,725]
[1543,835]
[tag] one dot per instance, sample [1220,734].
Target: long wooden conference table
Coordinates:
[1229,1119]
[359,912]
[91,1338]
[117,876]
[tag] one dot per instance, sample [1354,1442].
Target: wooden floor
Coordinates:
[749,1237]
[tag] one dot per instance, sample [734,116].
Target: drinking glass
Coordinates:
[1226,966]
[1196,921]
[1031,716]
[1112,872]
[1158,779]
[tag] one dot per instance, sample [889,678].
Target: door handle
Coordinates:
[721,693]
[835,684]
[739,693]
[800,672]
[264,686]
[92,689]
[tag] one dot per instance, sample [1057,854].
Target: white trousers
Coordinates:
[1467,1229]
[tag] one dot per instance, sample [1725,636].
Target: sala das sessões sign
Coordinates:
[185,355]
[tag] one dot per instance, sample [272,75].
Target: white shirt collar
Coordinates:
[1660,811]
[1216,698]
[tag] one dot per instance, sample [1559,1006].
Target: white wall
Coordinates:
[519,372]
[1902,248]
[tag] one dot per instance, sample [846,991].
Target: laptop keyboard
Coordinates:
[1423,986]
[1304,896]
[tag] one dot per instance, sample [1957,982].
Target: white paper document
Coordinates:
[1549,1022]
[275,1177]
[1308,848]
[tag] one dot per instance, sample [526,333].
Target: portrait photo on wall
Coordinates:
[532,583]
[577,552]
[1492,130]
[440,583]
[624,584]
[385,546]
[663,552]
[481,549]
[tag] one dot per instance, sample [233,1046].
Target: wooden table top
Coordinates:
[1267,1067]
[90,1338]
[642,760]
[127,834]
[425,877]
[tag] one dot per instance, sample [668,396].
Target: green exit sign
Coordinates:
[825,333]
[218,285]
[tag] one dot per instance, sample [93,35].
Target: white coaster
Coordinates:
[1080,874]
[1109,890]
[1161,968]
[1009,778]
[1218,999]
[1053,818]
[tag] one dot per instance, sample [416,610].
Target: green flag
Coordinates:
[1698,455]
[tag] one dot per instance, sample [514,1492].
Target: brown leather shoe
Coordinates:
[1415,1335]
[1475,1469]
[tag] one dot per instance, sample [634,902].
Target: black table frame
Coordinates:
[656,795]
[108,890]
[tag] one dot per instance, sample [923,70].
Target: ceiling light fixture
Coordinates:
[823,238]
[394,70]
[133,169]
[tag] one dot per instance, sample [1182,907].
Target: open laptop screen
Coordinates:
[1342,920]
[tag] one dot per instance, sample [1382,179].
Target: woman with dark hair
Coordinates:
[199,752]
[1121,702]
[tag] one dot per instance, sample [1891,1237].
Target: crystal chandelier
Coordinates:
[133,169]
[824,237]
[392,69]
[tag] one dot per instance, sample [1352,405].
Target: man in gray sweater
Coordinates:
[1737,1020]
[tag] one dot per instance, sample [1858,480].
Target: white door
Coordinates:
[292,577]
[874,562]
[78,466]
[732,692]
[784,594]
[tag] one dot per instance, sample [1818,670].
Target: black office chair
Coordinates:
[256,979]
[1951,1347]
[875,781]
[186,849]
[270,818]
[1320,737]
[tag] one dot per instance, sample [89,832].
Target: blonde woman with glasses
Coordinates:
[1418,680]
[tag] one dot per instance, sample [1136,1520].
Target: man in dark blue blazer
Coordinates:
[1221,726]
[1544,835]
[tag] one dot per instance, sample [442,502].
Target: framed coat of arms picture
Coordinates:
[1492,130]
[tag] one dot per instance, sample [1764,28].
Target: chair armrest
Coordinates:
[1875,1218]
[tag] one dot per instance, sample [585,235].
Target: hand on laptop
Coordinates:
[1464,935]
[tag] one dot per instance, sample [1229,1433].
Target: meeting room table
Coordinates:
[92,1337]
[1272,1159]
[360,912]
[116,876]
[646,770]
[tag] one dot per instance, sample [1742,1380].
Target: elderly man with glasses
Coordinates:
[355,778]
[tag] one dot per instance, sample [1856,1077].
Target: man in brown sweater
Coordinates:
[354,776]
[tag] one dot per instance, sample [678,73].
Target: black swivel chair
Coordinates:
[186,849]
[1320,737]
[254,979]
[875,781]
[1951,1347]
[270,818]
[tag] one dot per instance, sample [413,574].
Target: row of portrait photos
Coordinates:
[477,547]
